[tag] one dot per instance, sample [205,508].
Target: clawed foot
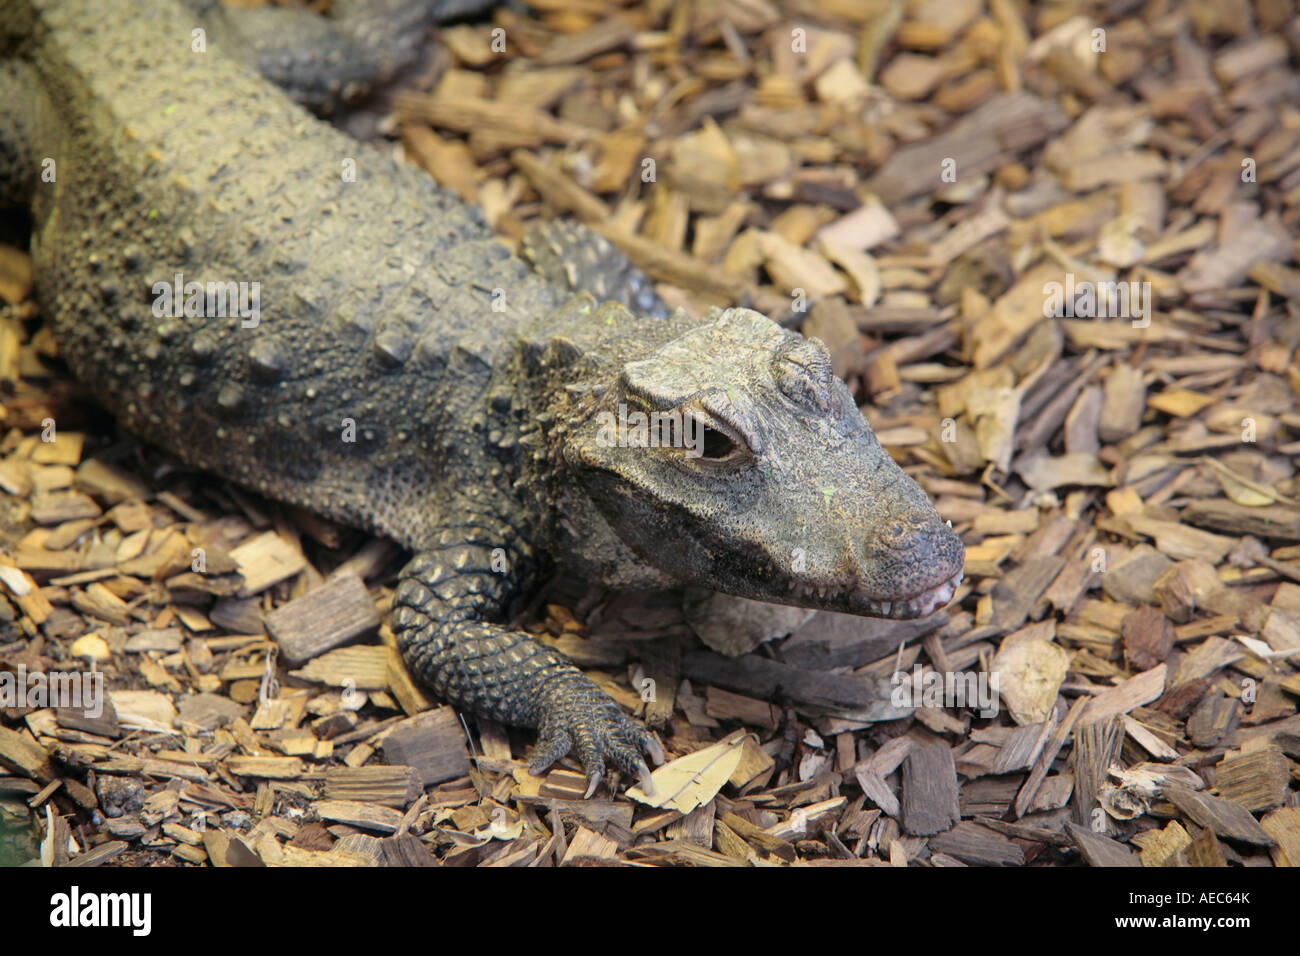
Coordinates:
[579,716]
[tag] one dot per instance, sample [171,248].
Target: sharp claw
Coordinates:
[647,782]
[549,750]
[598,733]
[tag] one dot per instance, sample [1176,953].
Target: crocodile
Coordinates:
[274,302]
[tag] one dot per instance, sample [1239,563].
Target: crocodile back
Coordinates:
[348,314]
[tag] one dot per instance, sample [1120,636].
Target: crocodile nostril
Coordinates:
[909,534]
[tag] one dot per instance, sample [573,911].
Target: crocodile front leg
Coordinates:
[447,614]
[577,258]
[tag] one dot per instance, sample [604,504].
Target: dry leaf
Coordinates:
[1029,677]
[693,780]
[1179,402]
[1043,472]
[1243,494]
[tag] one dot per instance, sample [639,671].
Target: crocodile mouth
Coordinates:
[920,604]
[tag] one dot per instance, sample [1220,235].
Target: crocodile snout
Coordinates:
[913,552]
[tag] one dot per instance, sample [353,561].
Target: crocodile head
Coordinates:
[733,458]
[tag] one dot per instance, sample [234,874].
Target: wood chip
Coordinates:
[333,614]
[432,744]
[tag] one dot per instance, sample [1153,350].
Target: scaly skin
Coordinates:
[411,377]
[324,61]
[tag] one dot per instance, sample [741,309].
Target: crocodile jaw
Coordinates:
[899,608]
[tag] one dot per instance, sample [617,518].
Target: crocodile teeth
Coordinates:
[916,605]
[920,605]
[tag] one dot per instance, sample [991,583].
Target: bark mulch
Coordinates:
[1052,248]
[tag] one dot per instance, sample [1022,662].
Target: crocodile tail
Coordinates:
[324,61]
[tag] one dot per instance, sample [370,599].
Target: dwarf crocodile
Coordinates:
[398,369]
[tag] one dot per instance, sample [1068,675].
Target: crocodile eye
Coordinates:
[706,443]
[717,446]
